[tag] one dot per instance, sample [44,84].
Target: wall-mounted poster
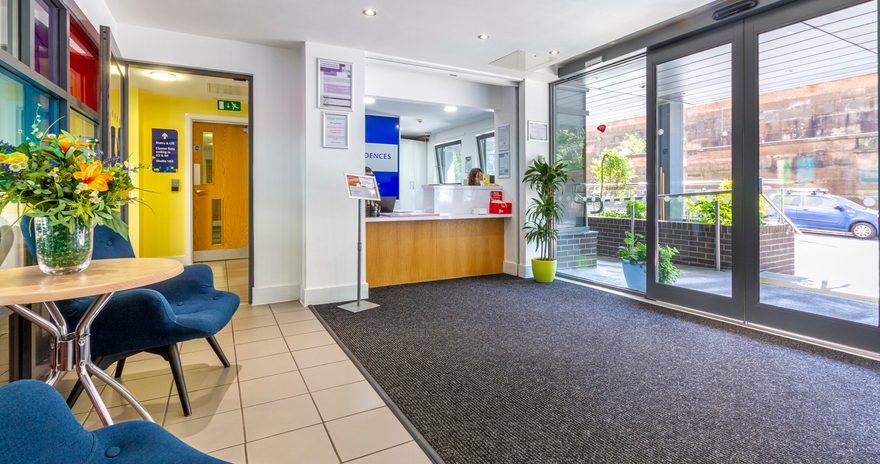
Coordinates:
[539,131]
[502,138]
[504,164]
[164,150]
[335,130]
[334,84]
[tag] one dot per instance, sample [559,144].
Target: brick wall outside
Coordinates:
[576,248]
[696,242]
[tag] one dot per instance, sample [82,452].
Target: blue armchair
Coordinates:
[39,428]
[154,318]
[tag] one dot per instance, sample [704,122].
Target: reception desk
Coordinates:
[423,248]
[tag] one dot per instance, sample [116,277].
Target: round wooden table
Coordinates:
[71,349]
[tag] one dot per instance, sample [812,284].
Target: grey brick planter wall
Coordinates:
[696,242]
[576,248]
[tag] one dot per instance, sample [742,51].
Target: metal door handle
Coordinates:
[199,191]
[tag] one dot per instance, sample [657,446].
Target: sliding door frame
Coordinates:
[729,307]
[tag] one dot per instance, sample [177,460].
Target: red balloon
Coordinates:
[601,128]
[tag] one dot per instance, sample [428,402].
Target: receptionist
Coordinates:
[475,177]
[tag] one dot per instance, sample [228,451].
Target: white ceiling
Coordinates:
[190,86]
[433,117]
[442,32]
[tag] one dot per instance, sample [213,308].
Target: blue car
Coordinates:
[821,211]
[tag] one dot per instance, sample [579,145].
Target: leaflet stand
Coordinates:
[360,188]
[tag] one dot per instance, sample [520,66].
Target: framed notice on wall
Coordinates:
[335,130]
[334,84]
[539,131]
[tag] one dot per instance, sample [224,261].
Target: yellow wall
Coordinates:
[134,209]
[163,219]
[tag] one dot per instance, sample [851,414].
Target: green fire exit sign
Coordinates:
[228,105]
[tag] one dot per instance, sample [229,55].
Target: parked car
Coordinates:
[815,209]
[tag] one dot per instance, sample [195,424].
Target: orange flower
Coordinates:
[93,176]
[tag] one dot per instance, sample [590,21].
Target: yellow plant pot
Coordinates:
[544,270]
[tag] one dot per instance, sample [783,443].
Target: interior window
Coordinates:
[9,26]
[83,67]
[45,34]
[450,165]
[486,149]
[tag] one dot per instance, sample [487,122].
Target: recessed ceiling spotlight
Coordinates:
[450,109]
[554,52]
[453,75]
[483,36]
[163,75]
[369,100]
[370,12]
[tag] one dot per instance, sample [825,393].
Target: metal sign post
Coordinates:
[359,188]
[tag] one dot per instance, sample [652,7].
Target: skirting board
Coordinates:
[220,255]
[335,294]
[275,294]
[510,267]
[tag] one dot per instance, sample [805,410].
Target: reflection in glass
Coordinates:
[45,28]
[81,127]
[216,221]
[488,158]
[208,157]
[83,67]
[694,168]
[818,164]
[450,165]
[599,131]
[9,26]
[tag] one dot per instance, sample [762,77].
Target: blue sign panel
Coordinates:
[164,150]
[383,152]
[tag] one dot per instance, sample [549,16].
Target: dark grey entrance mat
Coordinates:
[504,370]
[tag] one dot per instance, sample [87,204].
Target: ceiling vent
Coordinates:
[522,60]
[227,90]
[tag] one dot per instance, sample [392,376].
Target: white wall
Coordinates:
[394,82]
[506,107]
[330,218]
[277,174]
[467,134]
[534,97]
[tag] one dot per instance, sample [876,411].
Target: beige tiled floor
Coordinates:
[291,396]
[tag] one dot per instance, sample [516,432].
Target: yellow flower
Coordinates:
[93,176]
[12,158]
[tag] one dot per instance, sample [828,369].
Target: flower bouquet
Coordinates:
[64,185]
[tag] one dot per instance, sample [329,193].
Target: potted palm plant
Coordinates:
[634,256]
[543,214]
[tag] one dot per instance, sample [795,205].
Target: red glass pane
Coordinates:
[84,76]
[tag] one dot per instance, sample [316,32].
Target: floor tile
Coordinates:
[316,356]
[234,455]
[280,416]
[286,306]
[309,445]
[299,315]
[208,377]
[201,344]
[265,366]
[296,328]
[245,312]
[204,359]
[365,433]
[125,413]
[211,433]
[255,335]
[204,403]
[309,340]
[146,368]
[346,400]
[407,453]
[261,348]
[147,388]
[331,375]
[268,389]
[267,320]
[84,404]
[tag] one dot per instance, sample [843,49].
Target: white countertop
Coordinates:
[440,217]
[463,187]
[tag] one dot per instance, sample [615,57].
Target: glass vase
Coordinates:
[60,251]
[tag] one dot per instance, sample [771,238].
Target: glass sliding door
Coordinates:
[815,138]
[691,214]
[599,130]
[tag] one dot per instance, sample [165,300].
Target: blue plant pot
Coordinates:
[635,274]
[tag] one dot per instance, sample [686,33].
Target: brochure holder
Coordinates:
[360,187]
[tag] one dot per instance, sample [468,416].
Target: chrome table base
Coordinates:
[71,350]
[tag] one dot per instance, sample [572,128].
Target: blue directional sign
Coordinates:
[164,150]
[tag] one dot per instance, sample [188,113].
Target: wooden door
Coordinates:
[220,191]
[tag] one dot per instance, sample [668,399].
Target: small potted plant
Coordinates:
[634,256]
[65,186]
[543,214]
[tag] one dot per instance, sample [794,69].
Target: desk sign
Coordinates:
[164,150]
[362,187]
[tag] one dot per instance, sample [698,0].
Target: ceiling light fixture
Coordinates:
[450,109]
[554,52]
[370,12]
[163,75]
[483,36]
[369,100]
